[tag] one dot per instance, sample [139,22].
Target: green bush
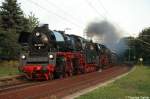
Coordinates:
[8,68]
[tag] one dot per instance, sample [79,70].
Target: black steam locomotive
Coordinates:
[47,54]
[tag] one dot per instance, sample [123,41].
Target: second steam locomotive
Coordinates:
[51,54]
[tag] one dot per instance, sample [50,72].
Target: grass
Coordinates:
[135,84]
[8,68]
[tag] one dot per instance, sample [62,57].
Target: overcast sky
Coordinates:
[131,15]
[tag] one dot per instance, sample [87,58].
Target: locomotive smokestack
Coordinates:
[44,26]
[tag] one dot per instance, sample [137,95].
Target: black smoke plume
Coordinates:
[106,33]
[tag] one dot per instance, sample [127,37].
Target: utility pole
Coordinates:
[134,54]
[129,49]
[129,57]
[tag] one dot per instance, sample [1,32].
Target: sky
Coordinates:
[130,16]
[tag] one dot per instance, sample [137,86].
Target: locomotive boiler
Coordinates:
[48,54]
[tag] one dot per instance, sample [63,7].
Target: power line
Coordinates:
[49,11]
[89,3]
[148,48]
[145,35]
[58,7]
[144,42]
[106,11]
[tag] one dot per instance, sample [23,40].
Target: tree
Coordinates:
[139,46]
[144,39]
[12,16]
[9,45]
[33,21]
[12,22]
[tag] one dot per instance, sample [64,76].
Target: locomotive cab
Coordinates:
[90,52]
[60,40]
[76,43]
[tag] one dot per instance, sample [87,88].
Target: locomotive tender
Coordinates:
[51,54]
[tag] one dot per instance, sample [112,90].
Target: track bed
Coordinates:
[59,88]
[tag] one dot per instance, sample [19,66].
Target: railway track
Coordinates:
[11,81]
[74,87]
[61,87]
[17,86]
[15,83]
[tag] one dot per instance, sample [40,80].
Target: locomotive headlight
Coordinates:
[51,56]
[37,34]
[23,56]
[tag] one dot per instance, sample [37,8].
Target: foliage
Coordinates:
[144,43]
[33,22]
[137,83]
[12,22]
[12,16]
[138,47]
[9,45]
